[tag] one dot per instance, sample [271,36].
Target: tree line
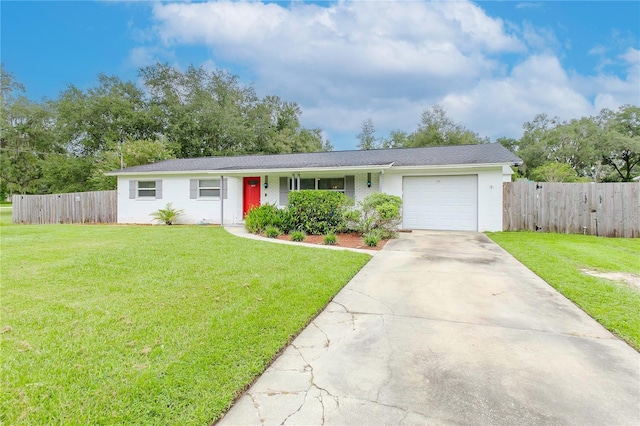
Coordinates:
[602,148]
[66,144]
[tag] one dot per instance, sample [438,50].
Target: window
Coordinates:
[331,184]
[208,188]
[327,184]
[308,183]
[146,189]
[342,184]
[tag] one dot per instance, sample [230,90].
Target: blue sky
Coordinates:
[492,65]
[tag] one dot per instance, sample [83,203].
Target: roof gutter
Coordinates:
[288,170]
[251,171]
[454,166]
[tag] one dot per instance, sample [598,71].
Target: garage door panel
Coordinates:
[440,202]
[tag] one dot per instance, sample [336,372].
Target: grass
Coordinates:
[148,325]
[558,258]
[5,214]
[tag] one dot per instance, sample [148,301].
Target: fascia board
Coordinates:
[244,172]
[450,166]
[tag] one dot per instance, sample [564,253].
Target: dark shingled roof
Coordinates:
[492,153]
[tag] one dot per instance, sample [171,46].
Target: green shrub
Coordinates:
[352,220]
[317,212]
[168,215]
[379,212]
[330,239]
[372,239]
[286,221]
[298,236]
[259,218]
[272,232]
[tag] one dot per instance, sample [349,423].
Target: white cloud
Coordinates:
[347,61]
[610,91]
[498,107]
[351,40]
[540,39]
[598,50]
[530,5]
[632,56]
[141,56]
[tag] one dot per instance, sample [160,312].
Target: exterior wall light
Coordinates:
[266,182]
[368,180]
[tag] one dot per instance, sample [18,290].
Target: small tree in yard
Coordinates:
[168,215]
[379,212]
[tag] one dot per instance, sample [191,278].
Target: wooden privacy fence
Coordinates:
[75,207]
[604,209]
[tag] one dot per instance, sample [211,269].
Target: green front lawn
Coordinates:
[5,214]
[558,259]
[148,325]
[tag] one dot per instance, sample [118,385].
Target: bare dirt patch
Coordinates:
[343,240]
[631,279]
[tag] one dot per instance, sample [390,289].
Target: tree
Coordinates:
[130,153]
[207,113]
[65,173]
[68,144]
[278,129]
[554,172]
[366,137]
[622,152]
[110,113]
[532,145]
[396,139]
[509,143]
[438,129]
[26,137]
[605,147]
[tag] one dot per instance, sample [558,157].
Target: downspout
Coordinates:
[221,200]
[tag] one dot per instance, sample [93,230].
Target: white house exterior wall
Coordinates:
[271,194]
[489,191]
[175,190]
[362,190]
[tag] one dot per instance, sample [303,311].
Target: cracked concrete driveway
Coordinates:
[447,328]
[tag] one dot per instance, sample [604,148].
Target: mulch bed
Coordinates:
[344,240]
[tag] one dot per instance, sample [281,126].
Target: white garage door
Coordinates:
[440,202]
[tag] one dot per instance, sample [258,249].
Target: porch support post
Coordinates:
[221,200]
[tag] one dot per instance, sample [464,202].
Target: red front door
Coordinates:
[251,194]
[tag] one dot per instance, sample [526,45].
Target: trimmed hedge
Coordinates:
[317,212]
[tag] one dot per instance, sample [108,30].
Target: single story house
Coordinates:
[442,188]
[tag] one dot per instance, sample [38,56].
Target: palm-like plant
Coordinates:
[168,215]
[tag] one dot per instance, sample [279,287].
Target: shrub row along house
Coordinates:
[442,188]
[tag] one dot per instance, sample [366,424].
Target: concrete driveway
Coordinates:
[447,328]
